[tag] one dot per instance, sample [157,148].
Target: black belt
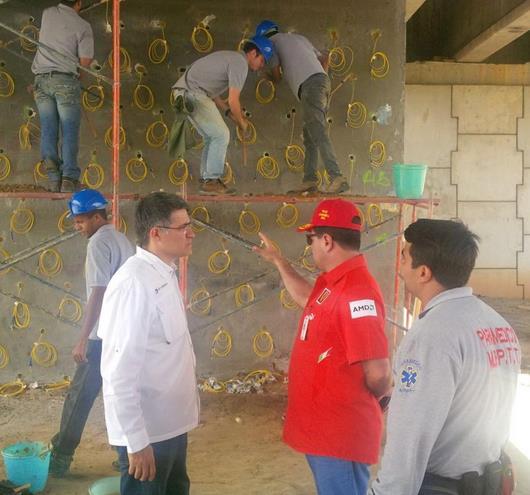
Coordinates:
[57,73]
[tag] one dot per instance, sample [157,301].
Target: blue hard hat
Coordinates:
[264,45]
[265,27]
[86,201]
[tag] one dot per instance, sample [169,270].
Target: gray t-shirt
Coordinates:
[214,74]
[107,250]
[298,58]
[455,377]
[63,30]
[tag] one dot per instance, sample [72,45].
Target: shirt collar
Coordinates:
[447,295]
[339,271]
[159,265]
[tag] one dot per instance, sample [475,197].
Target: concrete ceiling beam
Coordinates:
[411,7]
[502,33]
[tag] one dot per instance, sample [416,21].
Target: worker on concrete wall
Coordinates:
[339,362]
[305,69]
[148,363]
[455,375]
[57,90]
[107,250]
[203,85]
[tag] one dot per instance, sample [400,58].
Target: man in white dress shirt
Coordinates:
[148,363]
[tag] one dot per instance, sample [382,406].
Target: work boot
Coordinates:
[53,185]
[338,185]
[60,464]
[69,185]
[308,187]
[215,187]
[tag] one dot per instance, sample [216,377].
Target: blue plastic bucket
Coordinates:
[106,486]
[27,462]
[409,180]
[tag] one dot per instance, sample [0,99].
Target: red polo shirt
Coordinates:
[330,411]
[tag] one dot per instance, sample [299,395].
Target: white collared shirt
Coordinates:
[147,363]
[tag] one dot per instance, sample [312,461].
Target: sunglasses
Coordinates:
[309,238]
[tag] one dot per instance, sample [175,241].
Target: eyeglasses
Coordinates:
[309,238]
[181,228]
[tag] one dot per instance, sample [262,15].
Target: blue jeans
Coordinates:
[338,477]
[81,395]
[315,93]
[171,476]
[58,99]
[209,123]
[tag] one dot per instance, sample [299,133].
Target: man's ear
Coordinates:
[425,274]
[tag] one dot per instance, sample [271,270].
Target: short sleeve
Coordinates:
[237,73]
[85,47]
[98,265]
[362,323]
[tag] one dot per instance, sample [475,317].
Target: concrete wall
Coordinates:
[352,23]
[475,140]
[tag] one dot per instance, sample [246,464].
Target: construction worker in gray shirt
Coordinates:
[57,90]
[455,376]
[304,69]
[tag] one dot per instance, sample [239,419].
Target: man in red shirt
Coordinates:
[339,364]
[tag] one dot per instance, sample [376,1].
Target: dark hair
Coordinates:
[447,247]
[345,238]
[249,46]
[155,209]
[102,213]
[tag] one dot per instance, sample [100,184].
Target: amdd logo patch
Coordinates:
[362,308]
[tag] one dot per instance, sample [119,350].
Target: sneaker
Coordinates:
[308,187]
[214,187]
[69,185]
[60,464]
[338,185]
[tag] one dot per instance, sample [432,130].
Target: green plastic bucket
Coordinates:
[106,486]
[27,462]
[409,180]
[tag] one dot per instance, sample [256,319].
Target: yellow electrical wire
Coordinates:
[374,214]
[39,172]
[219,262]
[5,166]
[158,49]
[305,259]
[157,133]
[122,140]
[248,221]
[21,315]
[5,256]
[379,64]
[268,167]
[221,343]
[269,88]
[94,174]
[125,60]
[340,60]
[180,167]
[13,389]
[294,154]
[4,357]
[287,301]
[362,217]
[287,215]
[92,102]
[250,134]
[243,295]
[50,262]
[200,302]
[200,213]
[356,114]
[244,39]
[70,309]
[60,385]
[43,353]
[122,227]
[7,84]
[26,131]
[201,31]
[65,222]
[31,31]
[228,176]
[263,343]
[143,96]
[21,221]
[377,150]
[136,169]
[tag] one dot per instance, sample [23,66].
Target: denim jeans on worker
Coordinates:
[338,477]
[58,99]
[315,93]
[209,123]
[171,476]
[81,396]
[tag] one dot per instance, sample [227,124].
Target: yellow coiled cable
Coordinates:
[205,45]
[158,49]
[136,169]
[340,60]
[122,227]
[287,215]
[122,140]
[270,91]
[200,213]
[143,96]
[60,385]
[250,135]
[125,60]
[13,389]
[21,315]
[21,221]
[243,295]
[65,222]
[263,343]
[356,114]
[376,151]
[157,133]
[379,64]
[287,301]
[5,166]
[219,262]
[5,256]
[228,176]
[4,357]
[26,131]
[39,172]
[178,172]
[94,174]
[294,154]
[7,84]
[374,214]
[308,265]
[70,309]
[31,31]
[268,167]
[221,343]
[50,262]
[200,302]
[249,222]
[43,353]
[92,102]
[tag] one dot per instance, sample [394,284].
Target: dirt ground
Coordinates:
[237,450]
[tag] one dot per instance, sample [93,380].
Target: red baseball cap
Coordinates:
[333,213]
